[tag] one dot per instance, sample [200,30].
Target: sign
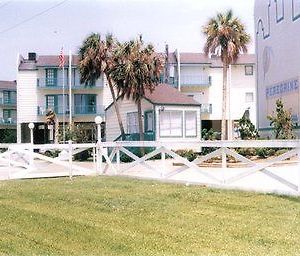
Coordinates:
[282,88]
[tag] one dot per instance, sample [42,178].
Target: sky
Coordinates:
[44,26]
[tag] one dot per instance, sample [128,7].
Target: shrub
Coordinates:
[246,151]
[188,154]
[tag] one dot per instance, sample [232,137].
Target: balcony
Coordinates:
[76,110]
[206,108]
[195,80]
[8,101]
[8,121]
[191,80]
[57,84]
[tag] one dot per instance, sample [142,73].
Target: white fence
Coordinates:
[270,175]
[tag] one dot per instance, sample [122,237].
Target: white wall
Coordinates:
[278,55]
[125,106]
[238,85]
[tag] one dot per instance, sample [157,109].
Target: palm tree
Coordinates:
[226,37]
[51,119]
[96,57]
[137,70]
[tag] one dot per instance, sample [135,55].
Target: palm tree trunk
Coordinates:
[224,102]
[56,127]
[140,119]
[116,107]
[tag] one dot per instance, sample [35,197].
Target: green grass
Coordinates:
[116,216]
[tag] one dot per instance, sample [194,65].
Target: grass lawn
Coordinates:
[117,216]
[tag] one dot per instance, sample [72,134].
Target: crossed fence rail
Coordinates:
[24,161]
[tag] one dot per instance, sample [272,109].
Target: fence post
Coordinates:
[9,163]
[70,158]
[99,158]
[163,159]
[298,158]
[94,159]
[224,164]
[118,159]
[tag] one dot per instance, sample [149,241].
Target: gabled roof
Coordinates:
[10,85]
[165,94]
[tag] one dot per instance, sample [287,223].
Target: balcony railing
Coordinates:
[8,121]
[76,110]
[8,101]
[195,80]
[47,83]
[191,80]
[206,108]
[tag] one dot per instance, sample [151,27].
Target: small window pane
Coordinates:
[170,123]
[248,70]
[191,123]
[149,124]
[249,97]
[132,123]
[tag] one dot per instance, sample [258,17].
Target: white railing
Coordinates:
[271,175]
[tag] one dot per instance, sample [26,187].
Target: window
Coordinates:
[249,97]
[51,77]
[191,123]
[149,121]
[9,116]
[170,123]
[55,102]
[85,103]
[9,97]
[248,70]
[132,123]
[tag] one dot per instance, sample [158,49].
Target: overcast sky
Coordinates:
[176,22]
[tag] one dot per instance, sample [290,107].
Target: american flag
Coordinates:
[61,58]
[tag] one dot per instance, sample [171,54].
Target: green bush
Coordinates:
[188,154]
[247,152]
[265,152]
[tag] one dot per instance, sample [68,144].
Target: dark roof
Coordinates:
[165,94]
[11,85]
[168,95]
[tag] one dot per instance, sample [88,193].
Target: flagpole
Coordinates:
[70,88]
[64,112]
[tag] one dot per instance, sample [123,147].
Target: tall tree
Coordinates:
[137,69]
[97,57]
[226,37]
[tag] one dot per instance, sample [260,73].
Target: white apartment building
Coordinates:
[40,87]
[201,77]
[277,27]
[8,105]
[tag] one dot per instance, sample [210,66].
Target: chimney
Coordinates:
[32,56]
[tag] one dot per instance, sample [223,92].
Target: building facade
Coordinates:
[277,27]
[201,78]
[40,88]
[8,109]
